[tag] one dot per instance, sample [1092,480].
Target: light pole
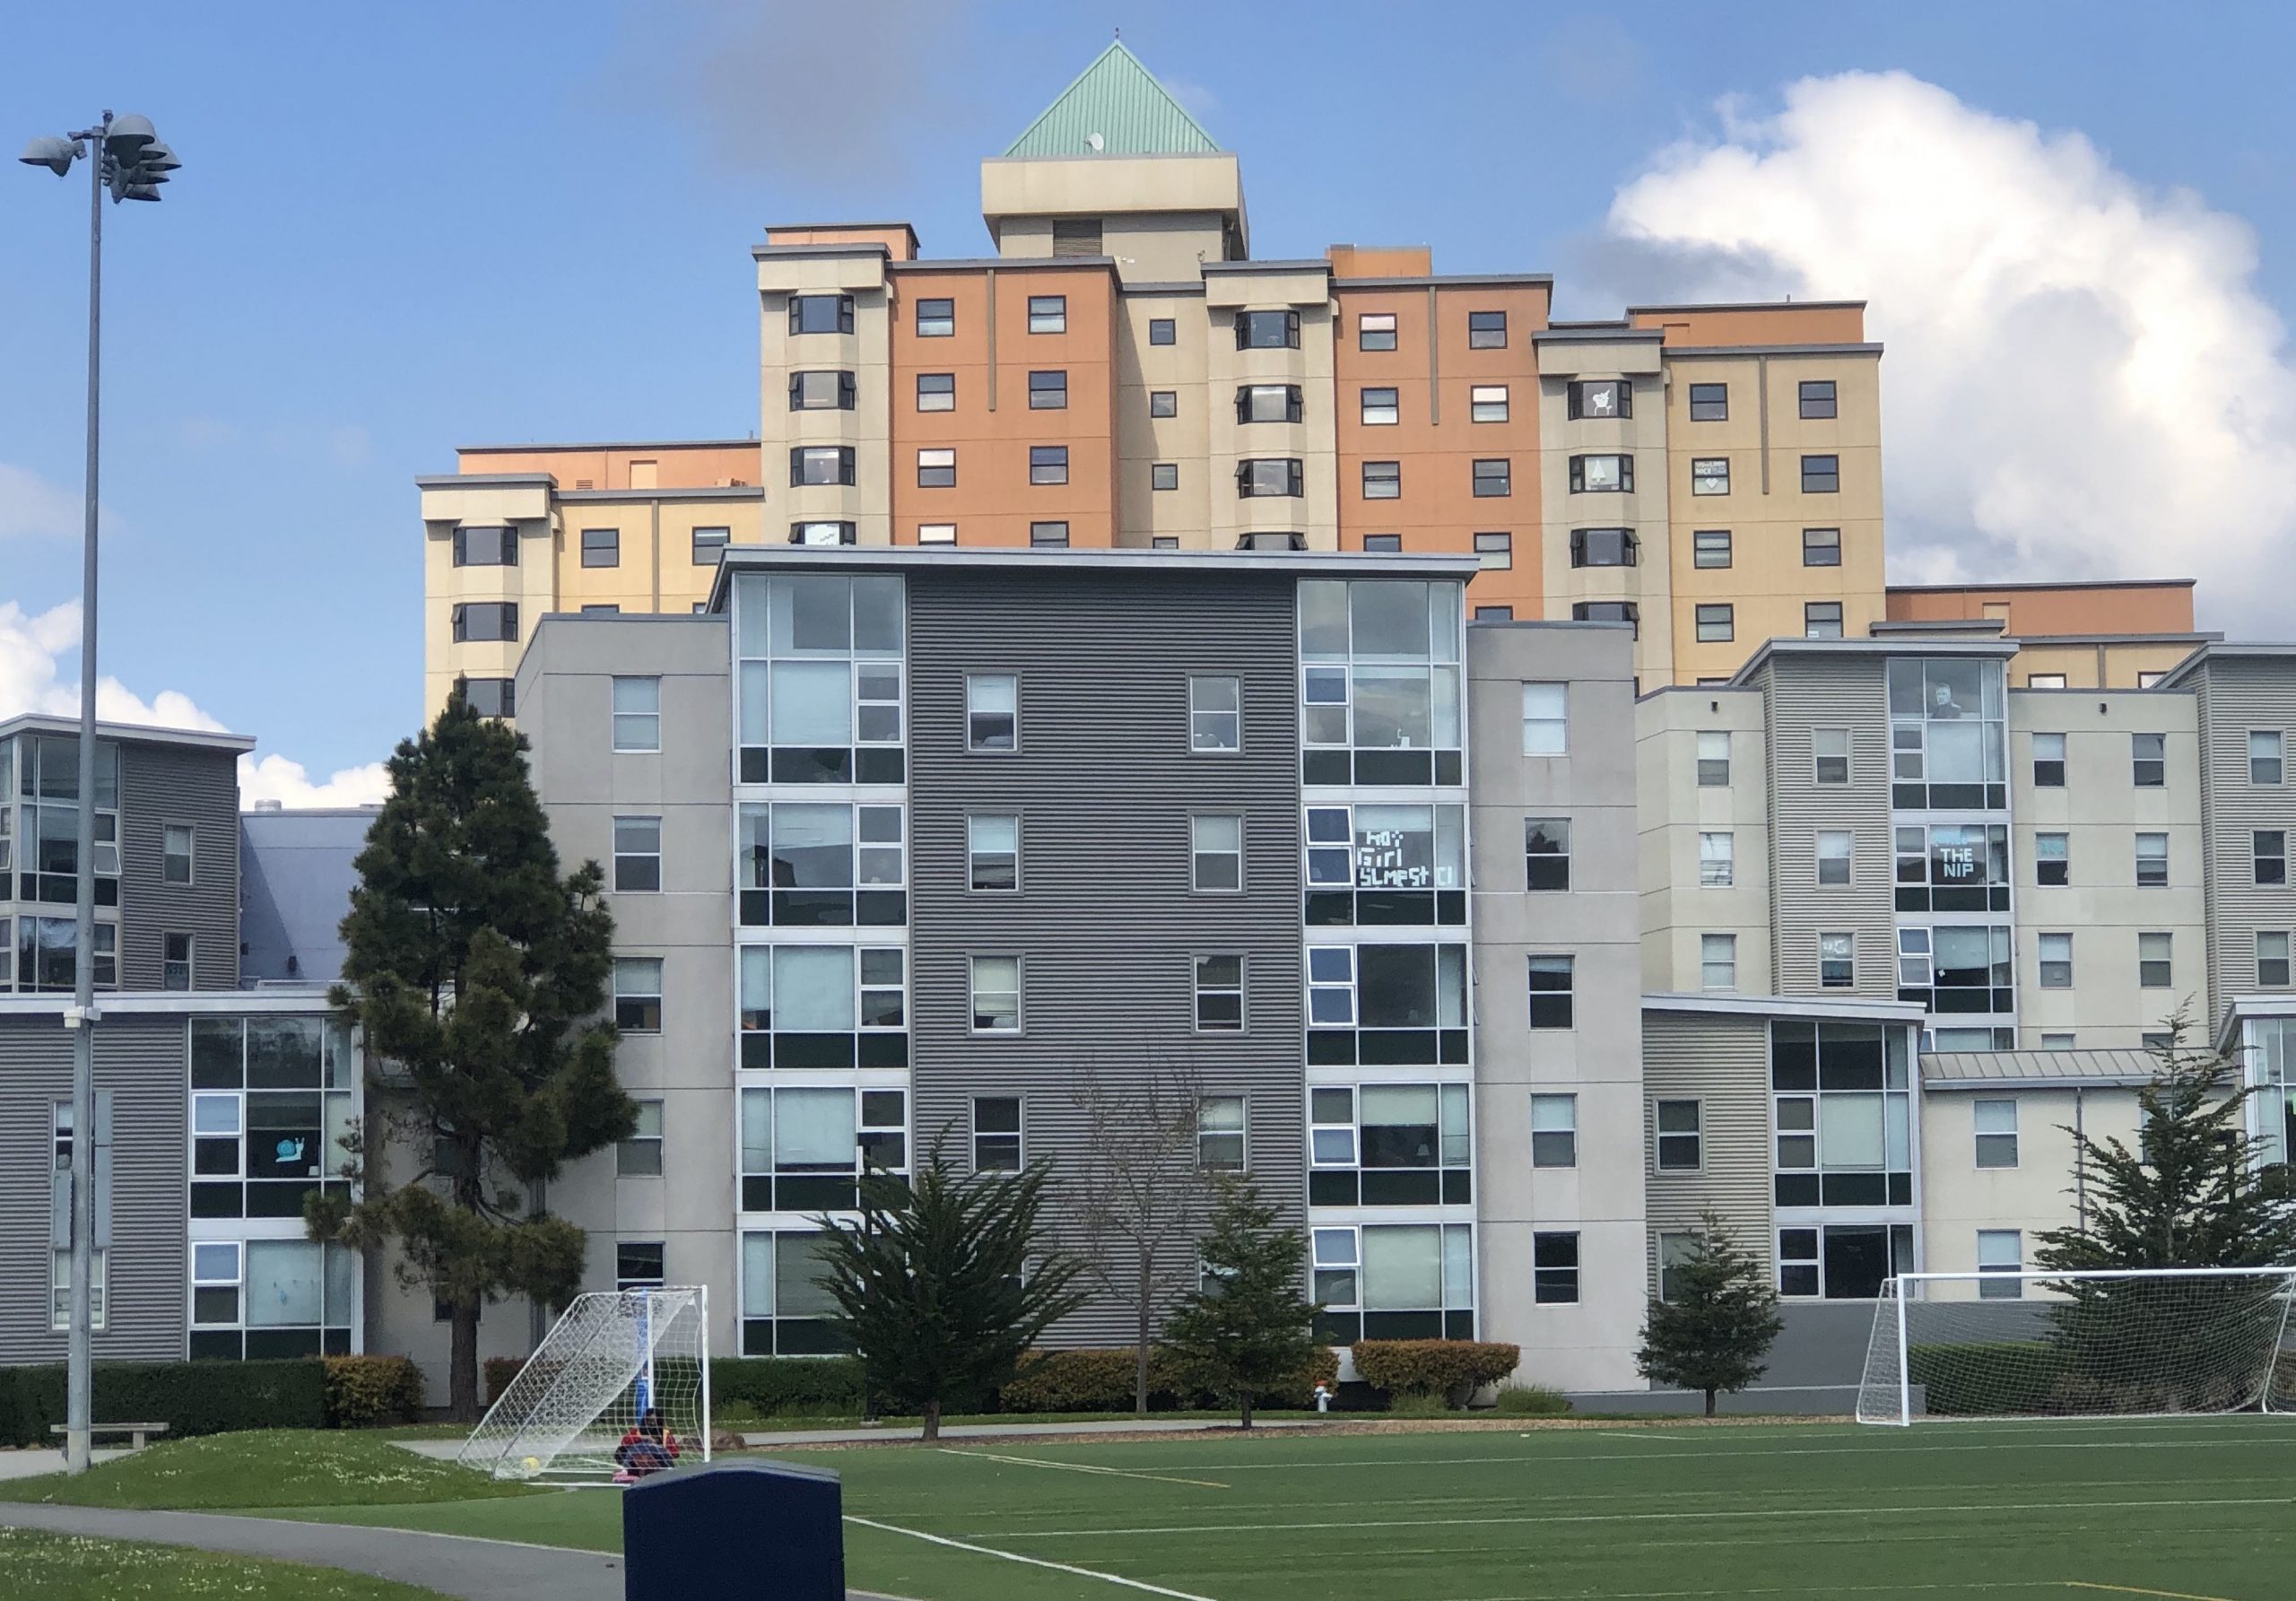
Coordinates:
[127,158]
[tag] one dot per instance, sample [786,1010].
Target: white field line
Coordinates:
[2155,1503]
[1857,1589]
[1642,1436]
[1134,1584]
[1121,1473]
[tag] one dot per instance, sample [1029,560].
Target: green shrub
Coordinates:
[207,1397]
[1453,1370]
[769,1386]
[1531,1400]
[1089,1380]
[1987,1379]
[363,1391]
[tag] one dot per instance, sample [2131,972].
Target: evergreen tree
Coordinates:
[1713,1332]
[1246,1331]
[945,1282]
[477,974]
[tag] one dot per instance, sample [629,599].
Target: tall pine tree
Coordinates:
[477,974]
[1246,1332]
[1713,1331]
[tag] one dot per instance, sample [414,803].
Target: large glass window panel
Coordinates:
[1323,619]
[285,1282]
[756,987]
[813,847]
[1396,985]
[813,1131]
[1394,708]
[813,987]
[1850,1130]
[757,1276]
[811,703]
[798,1262]
[1402,1267]
[1400,1125]
[1457,1137]
[757,1131]
[811,614]
[878,617]
[1389,621]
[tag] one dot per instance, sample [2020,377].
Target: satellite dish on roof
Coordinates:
[1095,143]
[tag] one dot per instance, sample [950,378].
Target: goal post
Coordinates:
[613,1356]
[2124,1343]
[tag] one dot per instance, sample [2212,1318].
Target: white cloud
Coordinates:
[31,646]
[30,506]
[2082,379]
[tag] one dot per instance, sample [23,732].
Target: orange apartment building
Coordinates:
[1121,373]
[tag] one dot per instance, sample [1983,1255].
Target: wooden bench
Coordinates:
[140,1435]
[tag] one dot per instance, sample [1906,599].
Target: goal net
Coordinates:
[578,1411]
[2128,1344]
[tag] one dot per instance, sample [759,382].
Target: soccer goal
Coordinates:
[612,1358]
[2162,1343]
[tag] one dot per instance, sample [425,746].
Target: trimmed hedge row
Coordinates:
[208,1398]
[1103,1380]
[767,1384]
[1451,1369]
[364,1391]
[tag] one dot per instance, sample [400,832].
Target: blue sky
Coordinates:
[401,228]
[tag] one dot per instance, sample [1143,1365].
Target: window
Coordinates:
[1493,478]
[2044,681]
[1494,614]
[1545,720]
[1049,536]
[936,318]
[1599,398]
[1710,547]
[996,1134]
[821,314]
[1487,402]
[2052,858]
[1821,619]
[2049,760]
[486,547]
[1220,1005]
[1380,406]
[487,697]
[1716,623]
[1817,397]
[995,995]
[639,1155]
[2000,1251]
[1162,330]
[2272,959]
[1837,959]
[1608,611]
[1376,330]
[1717,961]
[2265,766]
[1830,755]
[2153,963]
[2145,680]
[1076,236]
[1710,403]
[1220,1129]
[1709,475]
[1486,330]
[2268,855]
[637,854]
[2153,861]
[1834,857]
[1216,841]
[1163,403]
[637,1264]
[2057,1042]
[2056,960]
[1048,314]
[1261,476]
[1546,854]
[176,854]
[1554,1269]
[993,848]
[1382,543]
[1048,391]
[992,711]
[175,961]
[821,534]
[1713,759]
[1996,1133]
[1820,474]
[1601,474]
[936,532]
[1717,861]
[1822,547]
[1215,713]
[478,621]
[1382,480]
[936,391]
[821,464]
[820,391]
[1497,550]
[1604,547]
[637,994]
[1554,1131]
[1267,330]
[710,546]
[604,611]
[1680,1137]
[1394,1281]
[1164,475]
[1549,984]
[1048,464]
[2148,759]
[636,714]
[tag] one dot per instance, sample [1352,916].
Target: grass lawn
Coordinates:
[281,1468]
[2199,1510]
[44,1567]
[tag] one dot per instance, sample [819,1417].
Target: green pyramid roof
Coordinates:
[1120,100]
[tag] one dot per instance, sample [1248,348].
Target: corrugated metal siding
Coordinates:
[1804,693]
[1723,1063]
[160,785]
[1105,922]
[141,1061]
[2235,696]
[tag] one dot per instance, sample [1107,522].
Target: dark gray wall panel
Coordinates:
[160,785]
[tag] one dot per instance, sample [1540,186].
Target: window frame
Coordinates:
[1994,1148]
[637,1145]
[2048,771]
[2165,964]
[644,1020]
[1382,480]
[635,725]
[1488,484]
[2268,868]
[1559,1014]
[1820,758]
[1709,475]
[2148,771]
[1715,402]
[1816,625]
[1625,484]
[2278,757]
[1661,1135]
[1708,616]
[937,392]
[1561,1148]
[1821,552]
[975,743]
[1558,720]
[1708,943]
[1380,414]
[170,856]
[974,993]
[1200,852]
[1163,475]
[1046,397]
[1232,714]
[1018,1133]
[1201,988]
[1709,775]
[1489,544]
[1163,403]
[1718,859]
[975,855]
[1553,863]
[636,857]
[1487,330]
[1489,402]
[1555,1282]
[1805,401]
[2053,959]
[1163,330]
[1048,465]
[1240,1134]
[1818,480]
[1048,314]
[1701,547]
[1375,330]
[932,324]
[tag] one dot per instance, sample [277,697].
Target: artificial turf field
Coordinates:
[2198,1509]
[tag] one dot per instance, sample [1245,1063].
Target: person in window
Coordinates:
[649,1447]
[1943,707]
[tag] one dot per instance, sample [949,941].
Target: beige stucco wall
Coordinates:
[1675,809]
[1959,1197]
[1313,439]
[1643,435]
